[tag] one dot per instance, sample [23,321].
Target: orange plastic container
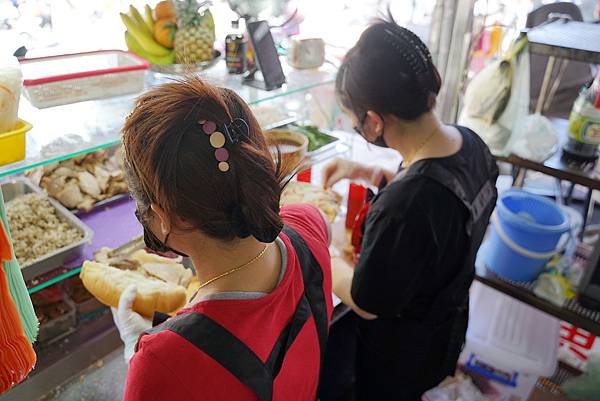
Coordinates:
[12,143]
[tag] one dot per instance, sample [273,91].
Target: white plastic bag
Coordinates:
[458,388]
[10,92]
[497,135]
[534,138]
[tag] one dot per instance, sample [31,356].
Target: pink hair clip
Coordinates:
[217,141]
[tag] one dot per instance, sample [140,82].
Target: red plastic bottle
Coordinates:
[305,175]
[357,197]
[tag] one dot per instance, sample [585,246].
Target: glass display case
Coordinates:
[84,331]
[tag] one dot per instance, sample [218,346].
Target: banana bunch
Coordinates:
[140,40]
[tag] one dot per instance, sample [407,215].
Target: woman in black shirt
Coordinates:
[423,229]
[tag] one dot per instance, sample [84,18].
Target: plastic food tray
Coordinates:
[21,186]
[336,140]
[12,143]
[71,78]
[330,146]
[103,202]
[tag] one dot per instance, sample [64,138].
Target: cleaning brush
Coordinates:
[16,286]
[16,352]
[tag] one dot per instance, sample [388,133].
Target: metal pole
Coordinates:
[545,83]
[457,57]
[570,193]
[559,192]
[555,84]
[588,211]
[520,178]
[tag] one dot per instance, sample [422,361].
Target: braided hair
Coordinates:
[390,71]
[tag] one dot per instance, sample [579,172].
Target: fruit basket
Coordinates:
[182,69]
[71,78]
[176,37]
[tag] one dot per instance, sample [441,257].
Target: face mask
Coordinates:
[153,243]
[379,141]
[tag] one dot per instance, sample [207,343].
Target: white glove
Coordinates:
[129,323]
[339,169]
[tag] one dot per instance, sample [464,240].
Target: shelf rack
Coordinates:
[571,40]
[571,312]
[565,40]
[576,41]
[556,166]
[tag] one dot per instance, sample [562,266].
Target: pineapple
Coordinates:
[195,34]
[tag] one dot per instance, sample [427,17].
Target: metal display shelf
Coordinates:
[571,312]
[565,40]
[573,40]
[556,166]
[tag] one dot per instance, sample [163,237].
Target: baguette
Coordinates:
[106,283]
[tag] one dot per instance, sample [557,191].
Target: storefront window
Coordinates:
[60,26]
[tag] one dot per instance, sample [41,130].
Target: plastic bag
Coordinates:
[534,139]
[496,134]
[458,388]
[10,92]
[587,386]
[487,95]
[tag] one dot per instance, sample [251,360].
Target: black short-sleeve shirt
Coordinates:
[414,242]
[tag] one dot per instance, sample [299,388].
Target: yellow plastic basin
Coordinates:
[12,143]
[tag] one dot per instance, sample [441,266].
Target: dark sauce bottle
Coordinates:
[235,50]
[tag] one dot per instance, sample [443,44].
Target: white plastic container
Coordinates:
[11,81]
[71,78]
[509,343]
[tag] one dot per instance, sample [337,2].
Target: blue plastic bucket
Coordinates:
[526,230]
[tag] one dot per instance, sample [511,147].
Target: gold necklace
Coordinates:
[235,269]
[421,146]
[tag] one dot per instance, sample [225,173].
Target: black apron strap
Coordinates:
[287,337]
[313,285]
[159,318]
[225,348]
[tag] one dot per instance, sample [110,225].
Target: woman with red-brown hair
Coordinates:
[206,187]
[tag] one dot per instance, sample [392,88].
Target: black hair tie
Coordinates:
[267,236]
[240,227]
[243,230]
